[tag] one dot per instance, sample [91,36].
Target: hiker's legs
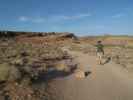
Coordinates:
[99,56]
[100,59]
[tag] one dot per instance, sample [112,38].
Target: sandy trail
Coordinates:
[107,82]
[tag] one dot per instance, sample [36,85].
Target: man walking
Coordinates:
[99,51]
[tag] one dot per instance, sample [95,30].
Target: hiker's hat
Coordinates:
[99,41]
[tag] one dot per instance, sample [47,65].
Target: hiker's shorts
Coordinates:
[99,55]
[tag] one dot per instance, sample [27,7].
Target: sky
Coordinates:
[83,17]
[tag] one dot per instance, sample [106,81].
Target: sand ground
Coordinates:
[105,82]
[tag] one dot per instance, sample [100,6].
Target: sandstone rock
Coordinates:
[14,74]
[4,72]
[79,74]
[17,62]
[61,66]
[9,73]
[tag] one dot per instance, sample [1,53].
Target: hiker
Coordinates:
[99,51]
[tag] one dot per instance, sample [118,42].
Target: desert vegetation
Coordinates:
[29,61]
[118,48]
[24,66]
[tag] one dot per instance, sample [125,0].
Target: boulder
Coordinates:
[61,66]
[14,74]
[79,74]
[8,73]
[4,72]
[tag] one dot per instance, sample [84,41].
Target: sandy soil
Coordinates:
[107,82]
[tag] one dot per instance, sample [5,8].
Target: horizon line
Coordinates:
[75,33]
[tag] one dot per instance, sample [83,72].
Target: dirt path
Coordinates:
[108,82]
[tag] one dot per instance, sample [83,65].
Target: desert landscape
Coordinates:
[63,66]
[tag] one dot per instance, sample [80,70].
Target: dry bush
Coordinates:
[22,64]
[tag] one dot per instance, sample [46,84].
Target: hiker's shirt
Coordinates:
[99,48]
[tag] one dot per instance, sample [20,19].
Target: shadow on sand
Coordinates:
[87,73]
[107,60]
[53,74]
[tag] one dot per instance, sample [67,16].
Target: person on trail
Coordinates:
[99,51]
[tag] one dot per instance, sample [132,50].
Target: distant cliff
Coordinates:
[10,34]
